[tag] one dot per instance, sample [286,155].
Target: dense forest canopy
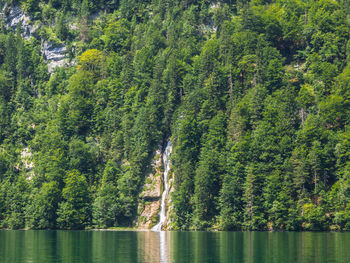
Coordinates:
[255,96]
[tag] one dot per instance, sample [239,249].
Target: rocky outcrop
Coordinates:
[149,203]
[151,214]
[26,157]
[13,16]
[54,55]
[26,164]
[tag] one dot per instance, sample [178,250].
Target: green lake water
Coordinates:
[144,246]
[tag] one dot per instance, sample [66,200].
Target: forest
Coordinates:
[254,95]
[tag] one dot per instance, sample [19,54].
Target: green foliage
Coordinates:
[106,207]
[92,61]
[62,29]
[115,35]
[208,174]
[41,213]
[15,195]
[314,217]
[74,211]
[254,96]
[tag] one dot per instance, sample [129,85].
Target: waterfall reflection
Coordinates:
[193,247]
[163,247]
[153,247]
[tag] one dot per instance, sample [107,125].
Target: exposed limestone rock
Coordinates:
[26,157]
[13,16]
[148,217]
[26,163]
[152,188]
[54,55]
[149,204]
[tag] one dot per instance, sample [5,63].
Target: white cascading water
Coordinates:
[166,163]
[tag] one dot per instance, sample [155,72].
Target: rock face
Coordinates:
[13,16]
[26,157]
[155,207]
[26,163]
[149,204]
[54,55]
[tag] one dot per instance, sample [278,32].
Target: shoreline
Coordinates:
[149,230]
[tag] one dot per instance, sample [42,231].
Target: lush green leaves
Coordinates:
[254,96]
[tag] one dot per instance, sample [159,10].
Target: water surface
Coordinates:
[132,246]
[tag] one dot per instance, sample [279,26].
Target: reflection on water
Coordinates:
[166,247]
[163,247]
[148,247]
[153,246]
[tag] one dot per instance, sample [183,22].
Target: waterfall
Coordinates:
[166,163]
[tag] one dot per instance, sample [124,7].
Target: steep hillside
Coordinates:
[254,96]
